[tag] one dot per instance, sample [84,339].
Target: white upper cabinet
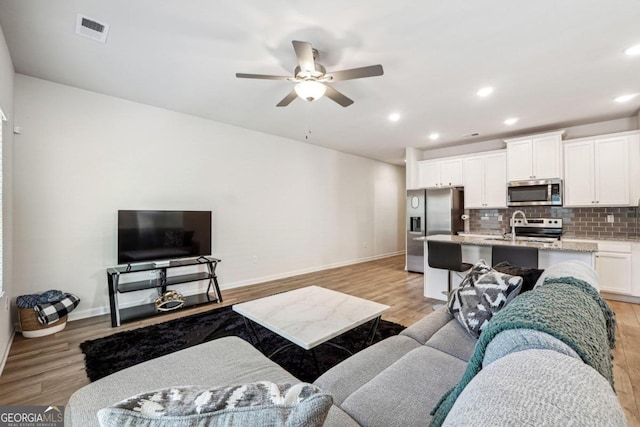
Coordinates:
[598,171]
[440,173]
[579,174]
[485,181]
[535,157]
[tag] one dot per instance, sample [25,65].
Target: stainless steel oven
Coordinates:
[545,192]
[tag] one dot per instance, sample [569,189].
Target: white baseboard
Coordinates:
[279,276]
[99,311]
[6,351]
[618,297]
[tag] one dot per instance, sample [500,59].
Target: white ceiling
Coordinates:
[552,63]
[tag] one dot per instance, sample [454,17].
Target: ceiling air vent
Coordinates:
[89,27]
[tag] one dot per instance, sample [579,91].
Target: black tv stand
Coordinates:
[161,282]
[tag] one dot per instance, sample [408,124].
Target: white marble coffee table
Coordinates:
[311,316]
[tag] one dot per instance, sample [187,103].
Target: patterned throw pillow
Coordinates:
[477,299]
[256,404]
[480,268]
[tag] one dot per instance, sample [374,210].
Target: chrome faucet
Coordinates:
[513,223]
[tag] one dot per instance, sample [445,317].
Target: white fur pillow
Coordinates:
[255,404]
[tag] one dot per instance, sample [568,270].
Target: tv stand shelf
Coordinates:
[161,282]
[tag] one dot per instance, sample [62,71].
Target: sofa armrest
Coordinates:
[537,387]
[425,328]
[571,268]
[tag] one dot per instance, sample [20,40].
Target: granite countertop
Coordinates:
[570,236]
[501,241]
[609,239]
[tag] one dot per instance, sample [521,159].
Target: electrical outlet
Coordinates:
[254,259]
[610,218]
[499,217]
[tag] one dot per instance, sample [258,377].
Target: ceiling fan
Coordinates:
[312,78]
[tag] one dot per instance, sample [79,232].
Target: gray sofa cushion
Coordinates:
[424,329]
[405,392]
[225,361]
[348,376]
[453,339]
[537,388]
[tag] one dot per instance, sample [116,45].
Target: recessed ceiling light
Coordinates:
[633,50]
[511,121]
[485,91]
[625,98]
[433,136]
[394,117]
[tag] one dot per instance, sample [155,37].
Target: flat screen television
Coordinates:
[162,235]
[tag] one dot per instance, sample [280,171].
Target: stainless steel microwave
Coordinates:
[541,192]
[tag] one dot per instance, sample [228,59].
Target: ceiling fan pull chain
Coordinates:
[306,137]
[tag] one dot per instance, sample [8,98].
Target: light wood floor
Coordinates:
[46,371]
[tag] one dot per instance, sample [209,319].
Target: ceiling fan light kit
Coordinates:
[310,90]
[311,78]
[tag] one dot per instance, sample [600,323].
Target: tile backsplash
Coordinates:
[577,222]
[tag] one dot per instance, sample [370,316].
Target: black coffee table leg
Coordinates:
[252,334]
[372,333]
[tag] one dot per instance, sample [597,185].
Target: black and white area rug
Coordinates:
[113,353]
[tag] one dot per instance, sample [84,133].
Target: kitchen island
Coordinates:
[478,247]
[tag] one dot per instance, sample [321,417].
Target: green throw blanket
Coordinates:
[568,309]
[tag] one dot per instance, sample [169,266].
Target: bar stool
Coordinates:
[446,256]
[520,256]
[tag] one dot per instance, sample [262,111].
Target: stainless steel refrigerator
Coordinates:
[429,212]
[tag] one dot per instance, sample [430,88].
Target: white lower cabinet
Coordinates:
[614,267]
[635,269]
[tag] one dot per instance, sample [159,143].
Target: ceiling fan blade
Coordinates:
[304,52]
[355,73]
[287,99]
[338,97]
[261,76]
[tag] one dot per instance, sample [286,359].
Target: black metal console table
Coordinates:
[161,282]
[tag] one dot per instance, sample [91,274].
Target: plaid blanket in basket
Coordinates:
[49,313]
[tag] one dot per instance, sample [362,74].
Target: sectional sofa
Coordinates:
[527,378]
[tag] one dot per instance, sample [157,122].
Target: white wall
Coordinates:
[6,104]
[279,206]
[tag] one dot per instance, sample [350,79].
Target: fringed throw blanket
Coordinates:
[569,309]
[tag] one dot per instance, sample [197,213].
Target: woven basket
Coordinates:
[31,327]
